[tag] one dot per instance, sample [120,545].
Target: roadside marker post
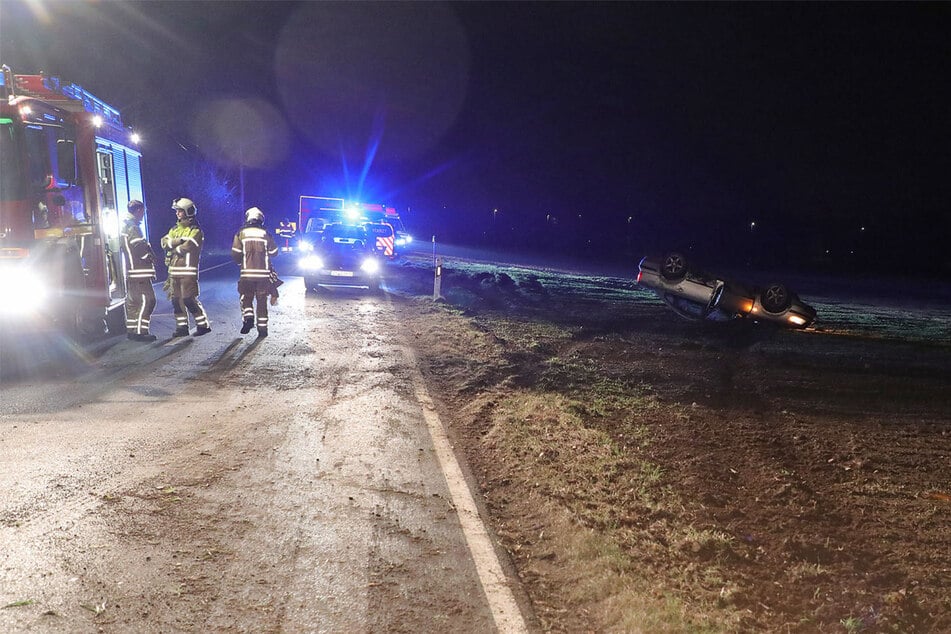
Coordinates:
[437,284]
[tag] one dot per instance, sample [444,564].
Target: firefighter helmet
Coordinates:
[186,205]
[254,216]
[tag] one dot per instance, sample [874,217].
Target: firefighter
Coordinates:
[140,273]
[182,246]
[286,230]
[252,250]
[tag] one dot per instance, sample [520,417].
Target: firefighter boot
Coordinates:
[147,337]
[262,332]
[202,330]
[181,331]
[247,326]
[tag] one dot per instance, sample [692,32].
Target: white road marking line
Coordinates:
[505,612]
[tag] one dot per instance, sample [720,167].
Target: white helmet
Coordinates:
[254,216]
[186,205]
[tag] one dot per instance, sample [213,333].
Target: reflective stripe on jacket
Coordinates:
[138,253]
[252,250]
[187,238]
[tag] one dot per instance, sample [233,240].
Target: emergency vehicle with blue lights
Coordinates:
[382,221]
[68,168]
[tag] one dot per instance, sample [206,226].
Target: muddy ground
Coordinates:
[650,474]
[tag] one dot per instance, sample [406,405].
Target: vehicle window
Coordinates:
[315,225]
[38,155]
[345,231]
[9,167]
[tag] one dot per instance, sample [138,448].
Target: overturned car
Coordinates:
[694,294]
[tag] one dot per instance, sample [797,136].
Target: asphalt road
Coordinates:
[294,483]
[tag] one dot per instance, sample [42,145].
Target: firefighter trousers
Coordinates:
[185,297]
[251,291]
[139,304]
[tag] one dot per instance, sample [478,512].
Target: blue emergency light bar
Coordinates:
[90,102]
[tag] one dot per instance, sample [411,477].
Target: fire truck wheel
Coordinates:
[115,321]
[89,323]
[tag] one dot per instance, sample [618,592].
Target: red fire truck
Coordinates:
[68,168]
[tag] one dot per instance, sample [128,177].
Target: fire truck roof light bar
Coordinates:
[52,88]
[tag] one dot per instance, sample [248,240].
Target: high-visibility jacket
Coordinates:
[252,250]
[182,245]
[140,261]
[287,230]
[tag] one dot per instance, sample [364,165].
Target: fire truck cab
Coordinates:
[68,168]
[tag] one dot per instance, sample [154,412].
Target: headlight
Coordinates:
[21,292]
[797,320]
[311,263]
[370,265]
[401,242]
[409,238]
[305,247]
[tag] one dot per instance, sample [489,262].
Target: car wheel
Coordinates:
[776,298]
[674,267]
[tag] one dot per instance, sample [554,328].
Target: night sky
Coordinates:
[812,136]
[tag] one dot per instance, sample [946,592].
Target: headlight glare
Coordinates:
[21,292]
[311,263]
[370,265]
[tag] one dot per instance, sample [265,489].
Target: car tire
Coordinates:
[776,298]
[673,267]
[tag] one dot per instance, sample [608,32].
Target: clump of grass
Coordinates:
[19,604]
[806,571]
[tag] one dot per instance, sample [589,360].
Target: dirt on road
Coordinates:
[652,474]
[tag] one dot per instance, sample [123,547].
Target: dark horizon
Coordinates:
[794,136]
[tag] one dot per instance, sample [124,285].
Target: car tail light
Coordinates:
[640,274]
[747,306]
